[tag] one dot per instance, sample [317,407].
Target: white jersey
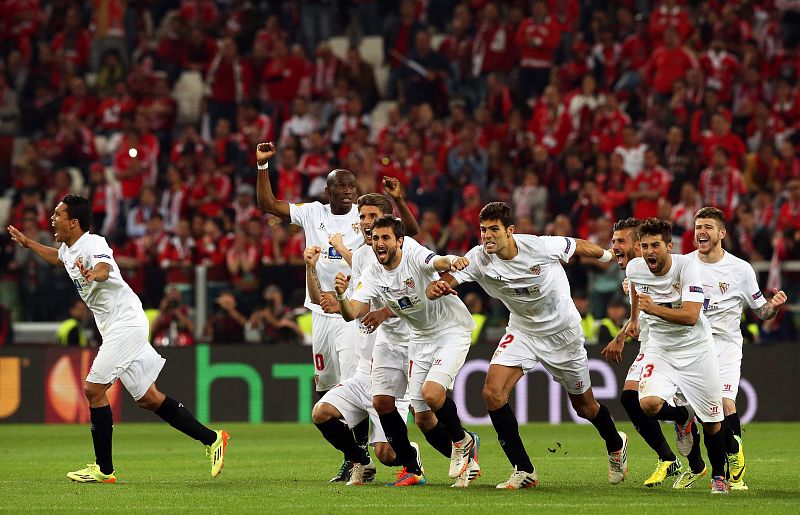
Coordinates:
[403,291]
[532,285]
[728,284]
[392,330]
[680,284]
[112,301]
[320,224]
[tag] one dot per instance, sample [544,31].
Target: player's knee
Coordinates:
[385,453]
[148,403]
[586,410]
[493,396]
[93,393]
[433,394]
[383,404]
[651,405]
[711,428]
[321,413]
[425,420]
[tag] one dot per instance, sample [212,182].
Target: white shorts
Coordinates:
[353,399]
[127,355]
[333,343]
[729,355]
[389,369]
[437,360]
[635,371]
[698,380]
[562,355]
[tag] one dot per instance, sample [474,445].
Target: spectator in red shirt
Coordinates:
[720,69]
[633,56]
[228,82]
[721,185]
[701,119]
[80,102]
[492,47]
[789,214]
[73,43]
[721,136]
[114,109]
[177,257]
[789,166]
[551,124]
[668,63]
[649,187]
[537,38]
[397,42]
[668,15]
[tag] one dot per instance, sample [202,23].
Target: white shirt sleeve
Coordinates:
[559,247]
[692,284]
[422,258]
[365,291]
[101,252]
[302,214]
[750,289]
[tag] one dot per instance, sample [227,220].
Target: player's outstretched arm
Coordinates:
[264,197]
[98,273]
[771,308]
[350,309]
[444,286]
[395,190]
[311,256]
[45,252]
[450,263]
[375,318]
[592,250]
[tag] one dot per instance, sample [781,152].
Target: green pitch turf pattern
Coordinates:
[284,468]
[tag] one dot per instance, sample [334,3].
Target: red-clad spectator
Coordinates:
[80,102]
[75,142]
[588,207]
[789,167]
[550,124]
[632,151]
[301,125]
[73,43]
[135,162]
[701,119]
[498,98]
[571,73]
[471,209]
[789,214]
[228,81]
[732,28]
[200,50]
[649,187]
[30,201]
[316,160]
[139,215]
[349,121]
[355,141]
[280,79]
[605,57]
[20,21]
[160,108]
[721,136]
[537,38]
[289,182]
[460,237]
[683,212]
[241,260]
[400,165]
[202,13]
[60,186]
[326,67]
[614,186]
[399,37]
[750,89]
[582,105]
[244,206]
[174,199]
[721,185]
[761,168]
[212,248]
[114,109]
[172,50]
[188,151]
[668,63]
[764,126]
[271,33]
[254,126]
[224,147]
[668,15]
[633,56]
[786,104]
[608,124]
[177,256]
[211,192]
[720,68]
[396,126]
[493,48]
[566,12]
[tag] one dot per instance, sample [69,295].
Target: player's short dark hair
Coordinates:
[377,200]
[390,221]
[628,223]
[497,211]
[656,227]
[711,212]
[79,208]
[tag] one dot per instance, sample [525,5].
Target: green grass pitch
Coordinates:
[284,468]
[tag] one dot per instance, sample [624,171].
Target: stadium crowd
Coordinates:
[576,113]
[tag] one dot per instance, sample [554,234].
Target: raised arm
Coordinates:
[592,250]
[771,308]
[392,186]
[264,197]
[350,309]
[311,256]
[45,252]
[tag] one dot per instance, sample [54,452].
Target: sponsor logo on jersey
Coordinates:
[723,287]
[322,226]
[430,256]
[726,388]
[676,287]
[96,256]
[645,289]
[407,303]
[569,246]
[519,292]
[410,283]
[333,253]
[696,289]
[714,409]
[536,270]
[756,295]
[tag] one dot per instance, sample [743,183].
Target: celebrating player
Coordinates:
[625,245]
[525,273]
[440,339]
[680,353]
[125,354]
[728,283]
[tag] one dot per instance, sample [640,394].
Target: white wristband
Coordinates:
[264,167]
[606,257]
[340,296]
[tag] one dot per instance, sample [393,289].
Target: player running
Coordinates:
[440,336]
[125,354]
[729,283]
[525,273]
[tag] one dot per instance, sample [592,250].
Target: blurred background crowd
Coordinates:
[575,112]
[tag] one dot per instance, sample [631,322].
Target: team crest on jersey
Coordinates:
[355,228]
[723,287]
[536,270]
[410,283]
[676,287]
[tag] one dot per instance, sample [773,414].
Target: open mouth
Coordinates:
[652,262]
[702,240]
[489,245]
[382,253]
[347,200]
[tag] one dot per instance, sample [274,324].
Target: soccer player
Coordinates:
[625,246]
[334,228]
[440,336]
[525,273]
[125,354]
[380,372]
[729,284]
[680,353]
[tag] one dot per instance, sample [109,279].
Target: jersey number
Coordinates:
[648,370]
[319,362]
[506,341]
